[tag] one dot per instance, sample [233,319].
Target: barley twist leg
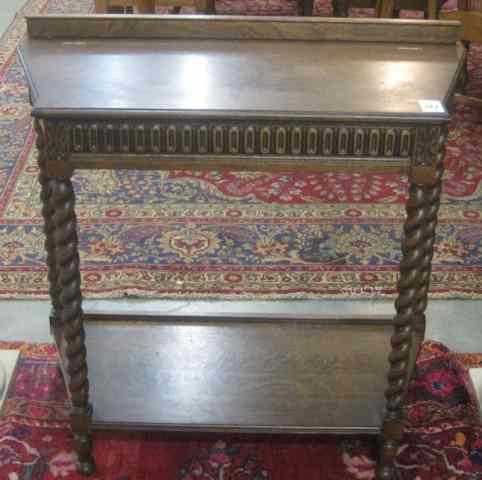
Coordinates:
[62,203]
[45,193]
[409,322]
[431,204]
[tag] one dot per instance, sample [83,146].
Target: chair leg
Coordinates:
[101,6]
[432,9]
[387,8]
[146,6]
[341,8]
[306,7]
[378,8]
[210,7]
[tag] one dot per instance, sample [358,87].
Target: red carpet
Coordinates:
[443,439]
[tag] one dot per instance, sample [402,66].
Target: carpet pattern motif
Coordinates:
[443,437]
[232,235]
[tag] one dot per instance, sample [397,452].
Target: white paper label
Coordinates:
[431,106]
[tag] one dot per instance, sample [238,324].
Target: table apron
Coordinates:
[261,163]
[246,146]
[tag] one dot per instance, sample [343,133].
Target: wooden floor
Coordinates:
[235,374]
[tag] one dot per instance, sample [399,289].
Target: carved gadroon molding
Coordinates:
[246,138]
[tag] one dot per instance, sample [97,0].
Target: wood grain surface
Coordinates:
[235,375]
[296,79]
[241,27]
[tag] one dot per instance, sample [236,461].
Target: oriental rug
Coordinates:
[232,235]
[443,438]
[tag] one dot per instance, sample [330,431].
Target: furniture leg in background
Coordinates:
[146,7]
[388,8]
[114,6]
[341,8]
[305,7]
[101,6]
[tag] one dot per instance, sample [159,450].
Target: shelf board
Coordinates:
[238,375]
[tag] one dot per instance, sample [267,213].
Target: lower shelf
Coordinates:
[301,376]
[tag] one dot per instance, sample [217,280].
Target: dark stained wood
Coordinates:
[241,28]
[261,164]
[202,78]
[305,7]
[413,286]
[49,227]
[318,105]
[317,148]
[64,276]
[231,375]
[222,318]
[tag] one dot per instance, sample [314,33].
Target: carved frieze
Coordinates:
[56,146]
[427,144]
[246,138]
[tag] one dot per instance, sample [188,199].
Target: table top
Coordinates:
[312,68]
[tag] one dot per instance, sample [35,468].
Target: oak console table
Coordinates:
[244,93]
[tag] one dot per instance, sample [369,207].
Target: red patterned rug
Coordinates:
[443,438]
[232,235]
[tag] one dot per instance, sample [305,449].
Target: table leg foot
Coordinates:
[385,468]
[86,467]
[390,440]
[81,420]
[384,472]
